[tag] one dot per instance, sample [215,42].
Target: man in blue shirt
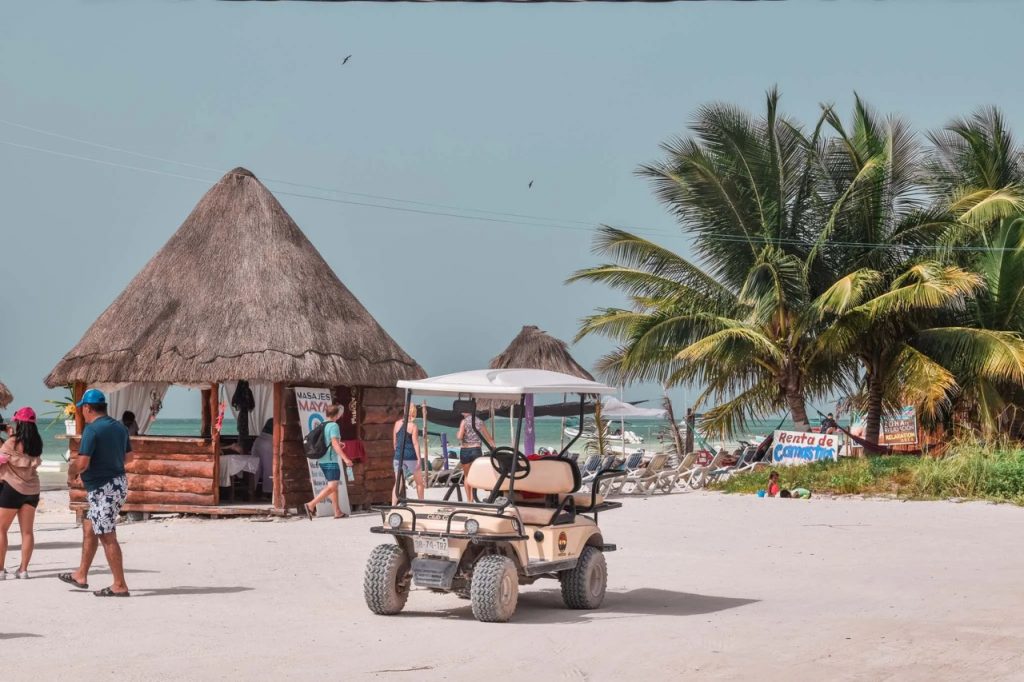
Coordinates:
[100,463]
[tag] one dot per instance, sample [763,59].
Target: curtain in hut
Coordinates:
[263,395]
[137,398]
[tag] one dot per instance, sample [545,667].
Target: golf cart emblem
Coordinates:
[441,514]
[563,542]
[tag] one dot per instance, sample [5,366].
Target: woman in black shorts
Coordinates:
[470,446]
[20,457]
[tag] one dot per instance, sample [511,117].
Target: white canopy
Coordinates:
[502,383]
[616,409]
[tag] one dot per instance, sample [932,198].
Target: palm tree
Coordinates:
[870,243]
[741,321]
[754,349]
[975,172]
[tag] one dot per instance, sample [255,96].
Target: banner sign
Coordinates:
[798,447]
[313,403]
[900,428]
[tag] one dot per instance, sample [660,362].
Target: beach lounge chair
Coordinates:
[667,480]
[639,481]
[747,461]
[633,463]
[589,465]
[703,475]
[604,464]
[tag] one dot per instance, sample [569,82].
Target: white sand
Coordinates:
[728,587]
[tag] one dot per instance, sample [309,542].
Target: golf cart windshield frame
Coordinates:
[495,493]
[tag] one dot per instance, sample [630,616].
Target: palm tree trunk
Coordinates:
[873,419]
[676,436]
[795,399]
[798,410]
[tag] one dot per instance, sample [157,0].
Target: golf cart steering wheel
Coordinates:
[502,459]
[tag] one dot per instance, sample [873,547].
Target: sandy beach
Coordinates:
[709,585]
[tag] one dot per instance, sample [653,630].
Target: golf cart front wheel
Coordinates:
[583,587]
[386,583]
[494,591]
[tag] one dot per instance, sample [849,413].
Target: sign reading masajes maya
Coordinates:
[313,404]
[798,447]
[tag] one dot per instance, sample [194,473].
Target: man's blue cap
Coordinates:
[93,396]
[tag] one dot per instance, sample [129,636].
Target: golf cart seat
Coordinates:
[551,479]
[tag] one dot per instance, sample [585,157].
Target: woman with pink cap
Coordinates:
[20,456]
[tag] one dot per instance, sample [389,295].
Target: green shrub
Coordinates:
[967,471]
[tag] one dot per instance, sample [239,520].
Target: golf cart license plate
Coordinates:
[434,546]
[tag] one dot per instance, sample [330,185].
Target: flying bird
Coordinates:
[345,60]
[530,186]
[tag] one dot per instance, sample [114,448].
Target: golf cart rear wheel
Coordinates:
[386,583]
[583,587]
[494,591]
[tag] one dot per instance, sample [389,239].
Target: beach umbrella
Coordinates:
[617,409]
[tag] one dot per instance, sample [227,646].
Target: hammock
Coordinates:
[873,448]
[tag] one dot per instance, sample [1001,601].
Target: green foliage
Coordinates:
[966,472]
[823,265]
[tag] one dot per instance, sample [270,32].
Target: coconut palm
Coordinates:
[740,319]
[975,171]
[753,347]
[885,288]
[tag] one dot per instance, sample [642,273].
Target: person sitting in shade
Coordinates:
[128,419]
[829,424]
[263,447]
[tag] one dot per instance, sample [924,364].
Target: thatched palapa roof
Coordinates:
[238,292]
[536,349]
[5,396]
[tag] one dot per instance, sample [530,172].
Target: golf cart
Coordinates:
[532,521]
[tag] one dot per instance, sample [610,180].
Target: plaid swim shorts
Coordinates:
[105,504]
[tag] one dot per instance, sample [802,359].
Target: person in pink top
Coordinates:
[20,457]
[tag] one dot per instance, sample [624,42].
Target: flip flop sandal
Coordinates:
[309,512]
[107,592]
[341,516]
[66,578]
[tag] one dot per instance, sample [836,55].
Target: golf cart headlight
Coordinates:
[472,526]
[395,520]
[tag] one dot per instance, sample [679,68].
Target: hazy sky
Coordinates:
[444,104]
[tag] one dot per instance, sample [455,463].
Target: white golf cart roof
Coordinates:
[502,383]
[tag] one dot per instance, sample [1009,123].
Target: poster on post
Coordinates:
[313,403]
[799,447]
[900,428]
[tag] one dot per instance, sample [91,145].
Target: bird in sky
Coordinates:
[530,186]
[345,60]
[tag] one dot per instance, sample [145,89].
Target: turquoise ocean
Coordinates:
[549,433]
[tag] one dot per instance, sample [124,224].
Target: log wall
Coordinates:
[164,471]
[382,407]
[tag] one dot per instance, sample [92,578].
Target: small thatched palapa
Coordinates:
[5,396]
[536,349]
[237,292]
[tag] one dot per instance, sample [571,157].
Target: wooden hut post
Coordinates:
[77,391]
[276,467]
[206,427]
[211,405]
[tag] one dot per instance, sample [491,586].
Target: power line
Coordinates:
[554,224]
[380,197]
[402,209]
[503,217]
